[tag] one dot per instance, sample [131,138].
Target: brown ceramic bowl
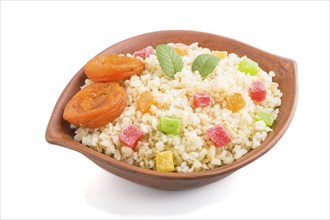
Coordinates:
[59,132]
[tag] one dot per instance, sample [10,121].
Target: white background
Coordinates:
[43,44]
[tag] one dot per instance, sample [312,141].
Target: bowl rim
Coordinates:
[53,134]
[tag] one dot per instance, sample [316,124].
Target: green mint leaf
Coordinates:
[205,64]
[169,60]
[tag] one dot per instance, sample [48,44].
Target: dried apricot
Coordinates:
[112,68]
[96,105]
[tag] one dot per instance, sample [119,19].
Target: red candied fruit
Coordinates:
[258,91]
[145,52]
[202,99]
[130,136]
[219,135]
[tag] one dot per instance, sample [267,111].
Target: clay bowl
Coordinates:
[59,132]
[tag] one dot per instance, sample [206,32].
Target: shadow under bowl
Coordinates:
[59,132]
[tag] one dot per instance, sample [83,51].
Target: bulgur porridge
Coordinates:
[184,108]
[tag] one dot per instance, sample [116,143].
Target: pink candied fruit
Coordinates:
[258,91]
[219,135]
[130,136]
[202,99]
[145,52]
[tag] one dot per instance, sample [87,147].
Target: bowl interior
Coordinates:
[59,132]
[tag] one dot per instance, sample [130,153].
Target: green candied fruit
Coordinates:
[248,66]
[266,117]
[169,125]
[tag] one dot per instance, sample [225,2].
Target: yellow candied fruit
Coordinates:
[164,161]
[235,102]
[220,54]
[182,49]
[145,101]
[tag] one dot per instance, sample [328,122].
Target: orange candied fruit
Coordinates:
[182,49]
[145,101]
[235,102]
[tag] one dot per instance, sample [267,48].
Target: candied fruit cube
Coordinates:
[265,116]
[220,54]
[130,136]
[145,101]
[219,135]
[164,161]
[258,91]
[202,99]
[169,125]
[182,49]
[235,102]
[248,66]
[145,52]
